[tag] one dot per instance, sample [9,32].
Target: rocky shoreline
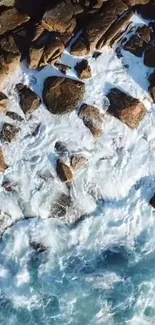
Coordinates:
[40,37]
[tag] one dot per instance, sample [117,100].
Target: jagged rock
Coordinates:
[61,148]
[9,186]
[3,165]
[152,201]
[64,172]
[63,68]
[138,42]
[59,18]
[83,70]
[102,21]
[29,100]
[39,30]
[78,162]
[10,19]
[9,132]
[38,247]
[14,116]
[92,119]
[149,55]
[35,55]
[3,102]
[52,51]
[152,86]
[126,108]
[135,45]
[79,47]
[62,95]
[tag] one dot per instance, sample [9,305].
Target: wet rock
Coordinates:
[149,56]
[79,47]
[3,165]
[152,86]
[9,132]
[14,116]
[92,119]
[3,102]
[64,172]
[145,33]
[61,206]
[52,51]
[135,45]
[152,201]
[29,100]
[126,108]
[61,148]
[59,18]
[83,70]
[62,95]
[30,8]
[9,186]
[38,247]
[63,68]
[10,19]
[78,162]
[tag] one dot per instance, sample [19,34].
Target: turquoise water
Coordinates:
[82,278]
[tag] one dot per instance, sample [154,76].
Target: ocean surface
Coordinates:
[101,270]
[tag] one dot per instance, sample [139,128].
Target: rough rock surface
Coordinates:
[9,132]
[78,162]
[64,172]
[138,42]
[83,70]
[152,86]
[3,102]
[126,108]
[3,165]
[92,119]
[62,95]
[29,100]
[10,19]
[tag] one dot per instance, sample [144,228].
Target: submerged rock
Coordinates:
[61,206]
[29,100]
[77,162]
[62,95]
[126,108]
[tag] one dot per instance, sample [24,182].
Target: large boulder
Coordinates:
[59,18]
[10,19]
[126,108]
[62,95]
[29,100]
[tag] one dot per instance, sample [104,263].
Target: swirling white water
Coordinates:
[101,271]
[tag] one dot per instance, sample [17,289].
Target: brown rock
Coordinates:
[135,45]
[64,172]
[79,47]
[149,56]
[9,132]
[59,18]
[3,165]
[148,11]
[63,68]
[14,116]
[92,119]
[52,51]
[145,33]
[78,162]
[10,19]
[62,95]
[3,102]
[135,2]
[152,86]
[29,100]
[126,108]
[35,55]
[83,70]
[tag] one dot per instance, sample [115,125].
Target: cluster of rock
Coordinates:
[41,35]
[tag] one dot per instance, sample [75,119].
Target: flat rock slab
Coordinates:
[10,19]
[62,95]
[126,108]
